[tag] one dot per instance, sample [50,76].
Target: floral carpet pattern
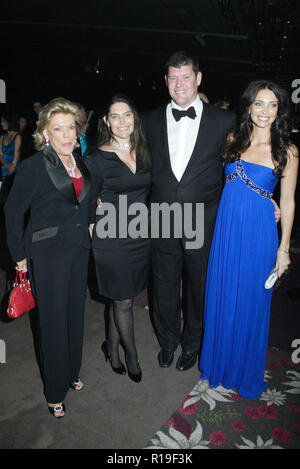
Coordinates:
[220,419]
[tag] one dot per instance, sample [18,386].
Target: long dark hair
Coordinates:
[10,118]
[137,140]
[241,138]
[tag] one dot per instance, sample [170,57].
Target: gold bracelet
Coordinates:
[286,252]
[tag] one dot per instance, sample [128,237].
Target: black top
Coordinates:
[111,177]
[122,261]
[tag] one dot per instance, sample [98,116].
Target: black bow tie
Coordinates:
[190,112]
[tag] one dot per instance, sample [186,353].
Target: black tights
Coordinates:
[121,331]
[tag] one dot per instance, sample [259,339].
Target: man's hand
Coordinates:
[277,212]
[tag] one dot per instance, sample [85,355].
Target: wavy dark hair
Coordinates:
[280,129]
[137,140]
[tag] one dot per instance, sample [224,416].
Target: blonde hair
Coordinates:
[223,104]
[53,107]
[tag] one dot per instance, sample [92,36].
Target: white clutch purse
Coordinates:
[273,276]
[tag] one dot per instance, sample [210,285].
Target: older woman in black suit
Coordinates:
[54,184]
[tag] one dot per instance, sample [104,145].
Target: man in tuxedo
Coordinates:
[185,139]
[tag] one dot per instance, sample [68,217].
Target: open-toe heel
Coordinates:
[57,408]
[74,384]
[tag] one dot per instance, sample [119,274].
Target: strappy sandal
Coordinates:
[57,408]
[74,384]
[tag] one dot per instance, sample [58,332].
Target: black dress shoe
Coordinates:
[186,360]
[165,358]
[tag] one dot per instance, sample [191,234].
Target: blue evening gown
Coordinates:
[237,306]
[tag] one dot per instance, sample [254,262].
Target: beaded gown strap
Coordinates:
[249,183]
[231,177]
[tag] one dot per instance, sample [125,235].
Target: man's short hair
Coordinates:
[180,58]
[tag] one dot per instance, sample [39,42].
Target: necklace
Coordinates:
[70,170]
[125,146]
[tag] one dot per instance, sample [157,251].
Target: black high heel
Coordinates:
[121,370]
[136,377]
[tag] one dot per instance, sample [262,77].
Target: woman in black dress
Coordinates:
[121,174]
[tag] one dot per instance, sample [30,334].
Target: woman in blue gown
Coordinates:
[10,144]
[245,244]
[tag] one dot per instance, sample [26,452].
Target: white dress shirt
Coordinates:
[182,136]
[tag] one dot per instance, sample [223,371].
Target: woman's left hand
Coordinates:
[282,262]
[21,266]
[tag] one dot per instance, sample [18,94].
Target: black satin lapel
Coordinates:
[165,140]
[58,175]
[86,177]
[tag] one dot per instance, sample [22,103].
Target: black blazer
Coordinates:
[202,180]
[42,185]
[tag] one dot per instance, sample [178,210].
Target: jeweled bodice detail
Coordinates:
[261,179]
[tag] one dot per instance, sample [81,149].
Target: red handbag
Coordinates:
[20,299]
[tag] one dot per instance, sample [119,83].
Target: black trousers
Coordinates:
[59,272]
[173,269]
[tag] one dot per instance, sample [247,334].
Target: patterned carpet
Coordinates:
[220,419]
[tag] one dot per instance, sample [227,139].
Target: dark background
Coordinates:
[52,48]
